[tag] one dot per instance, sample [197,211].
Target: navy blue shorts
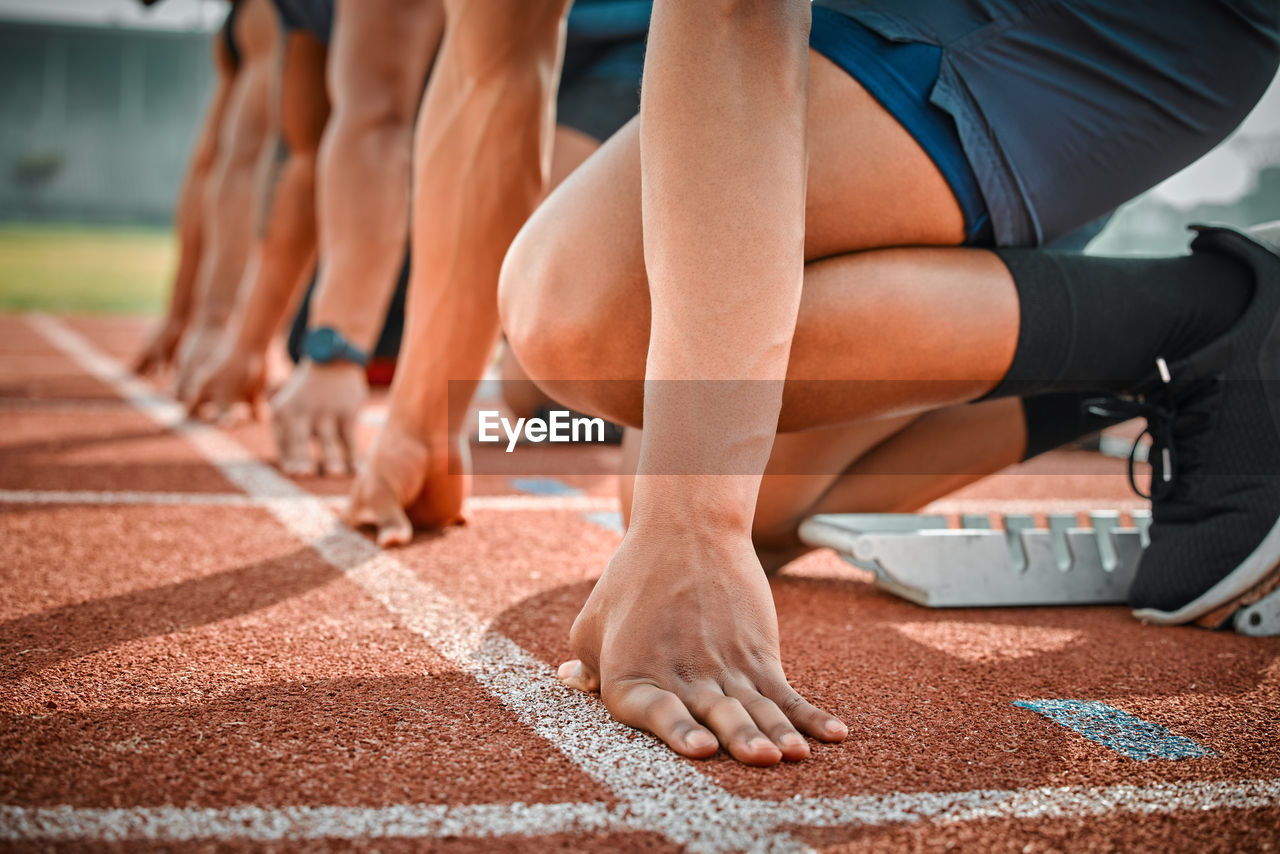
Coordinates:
[1063,109]
[311,16]
[603,62]
[900,76]
[600,87]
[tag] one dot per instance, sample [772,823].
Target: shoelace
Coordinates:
[1160,419]
[1169,416]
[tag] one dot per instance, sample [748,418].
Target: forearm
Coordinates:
[190,244]
[284,257]
[723,145]
[229,197]
[189,214]
[364,223]
[482,157]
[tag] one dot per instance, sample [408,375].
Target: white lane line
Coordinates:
[55,406]
[1152,799]
[597,505]
[657,791]
[77,496]
[496,503]
[424,821]
[267,824]
[1028,804]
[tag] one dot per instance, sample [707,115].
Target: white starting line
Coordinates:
[497,503]
[656,791]
[427,821]
[520,503]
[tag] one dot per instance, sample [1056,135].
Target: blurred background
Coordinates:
[99,106]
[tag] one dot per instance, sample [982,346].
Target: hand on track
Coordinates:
[405,485]
[160,351]
[232,376]
[319,402]
[681,639]
[199,346]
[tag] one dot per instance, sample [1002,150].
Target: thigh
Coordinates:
[569,151]
[870,185]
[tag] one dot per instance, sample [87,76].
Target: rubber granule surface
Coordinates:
[186,666]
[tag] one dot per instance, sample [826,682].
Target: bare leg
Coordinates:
[932,455]
[947,318]
[571,149]
[888,465]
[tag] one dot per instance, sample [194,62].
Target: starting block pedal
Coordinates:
[924,560]
[1261,619]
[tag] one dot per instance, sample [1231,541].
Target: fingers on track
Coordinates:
[648,707]
[374,503]
[576,674]
[294,435]
[335,454]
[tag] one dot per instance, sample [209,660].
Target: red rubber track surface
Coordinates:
[193,653]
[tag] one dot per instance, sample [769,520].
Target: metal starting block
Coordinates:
[921,559]
[924,560]
[1261,619]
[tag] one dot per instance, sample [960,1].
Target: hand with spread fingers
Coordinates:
[319,402]
[688,650]
[407,483]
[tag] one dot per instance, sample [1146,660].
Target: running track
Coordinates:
[197,656]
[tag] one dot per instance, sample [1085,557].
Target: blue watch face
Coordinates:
[321,345]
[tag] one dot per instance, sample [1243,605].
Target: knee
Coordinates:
[550,321]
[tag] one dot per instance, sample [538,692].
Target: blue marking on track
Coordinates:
[606,519]
[543,486]
[1117,729]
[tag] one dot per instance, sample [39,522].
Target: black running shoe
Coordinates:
[1214,421]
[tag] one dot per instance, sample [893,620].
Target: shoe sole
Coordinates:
[1257,575]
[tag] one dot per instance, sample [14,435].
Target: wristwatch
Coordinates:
[326,345]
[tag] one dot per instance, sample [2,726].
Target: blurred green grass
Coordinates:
[85,269]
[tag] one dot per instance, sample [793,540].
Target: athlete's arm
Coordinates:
[379,59]
[680,633]
[481,161]
[285,250]
[190,224]
[229,213]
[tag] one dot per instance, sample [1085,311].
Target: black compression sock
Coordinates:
[1053,420]
[1099,324]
